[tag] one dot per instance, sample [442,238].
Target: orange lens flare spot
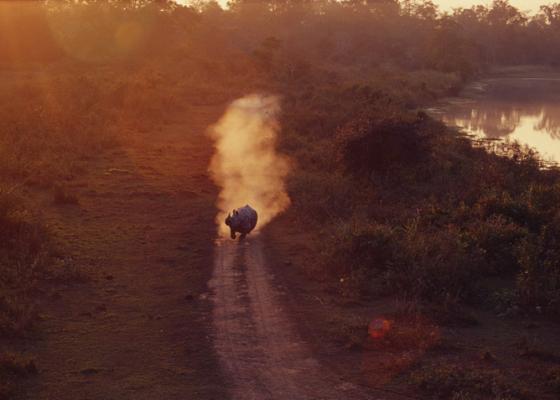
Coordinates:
[378,328]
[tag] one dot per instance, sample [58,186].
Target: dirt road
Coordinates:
[259,349]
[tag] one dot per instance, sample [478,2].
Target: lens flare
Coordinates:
[378,328]
[245,164]
[110,34]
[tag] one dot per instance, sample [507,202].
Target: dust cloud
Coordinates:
[245,165]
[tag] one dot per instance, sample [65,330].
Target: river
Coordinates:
[515,105]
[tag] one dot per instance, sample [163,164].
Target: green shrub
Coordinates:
[358,251]
[434,265]
[322,195]
[408,262]
[370,145]
[538,282]
[496,238]
[514,208]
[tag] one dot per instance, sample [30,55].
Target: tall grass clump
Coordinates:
[25,252]
[25,259]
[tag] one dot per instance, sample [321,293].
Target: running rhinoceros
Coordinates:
[243,220]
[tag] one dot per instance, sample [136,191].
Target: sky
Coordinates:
[524,5]
[446,5]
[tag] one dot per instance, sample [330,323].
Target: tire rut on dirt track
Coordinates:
[258,347]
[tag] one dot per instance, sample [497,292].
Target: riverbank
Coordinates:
[398,218]
[510,105]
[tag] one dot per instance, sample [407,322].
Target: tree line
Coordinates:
[410,34]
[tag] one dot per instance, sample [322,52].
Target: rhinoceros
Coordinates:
[243,220]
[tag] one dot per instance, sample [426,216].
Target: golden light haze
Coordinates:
[245,165]
[524,5]
[531,6]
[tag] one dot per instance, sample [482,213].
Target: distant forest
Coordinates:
[406,34]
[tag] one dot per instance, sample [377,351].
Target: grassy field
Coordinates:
[67,127]
[78,172]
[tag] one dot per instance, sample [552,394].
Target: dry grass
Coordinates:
[24,259]
[25,252]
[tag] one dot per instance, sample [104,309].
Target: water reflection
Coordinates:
[534,124]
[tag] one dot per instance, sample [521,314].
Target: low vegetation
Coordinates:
[403,201]
[24,257]
[460,383]
[24,261]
